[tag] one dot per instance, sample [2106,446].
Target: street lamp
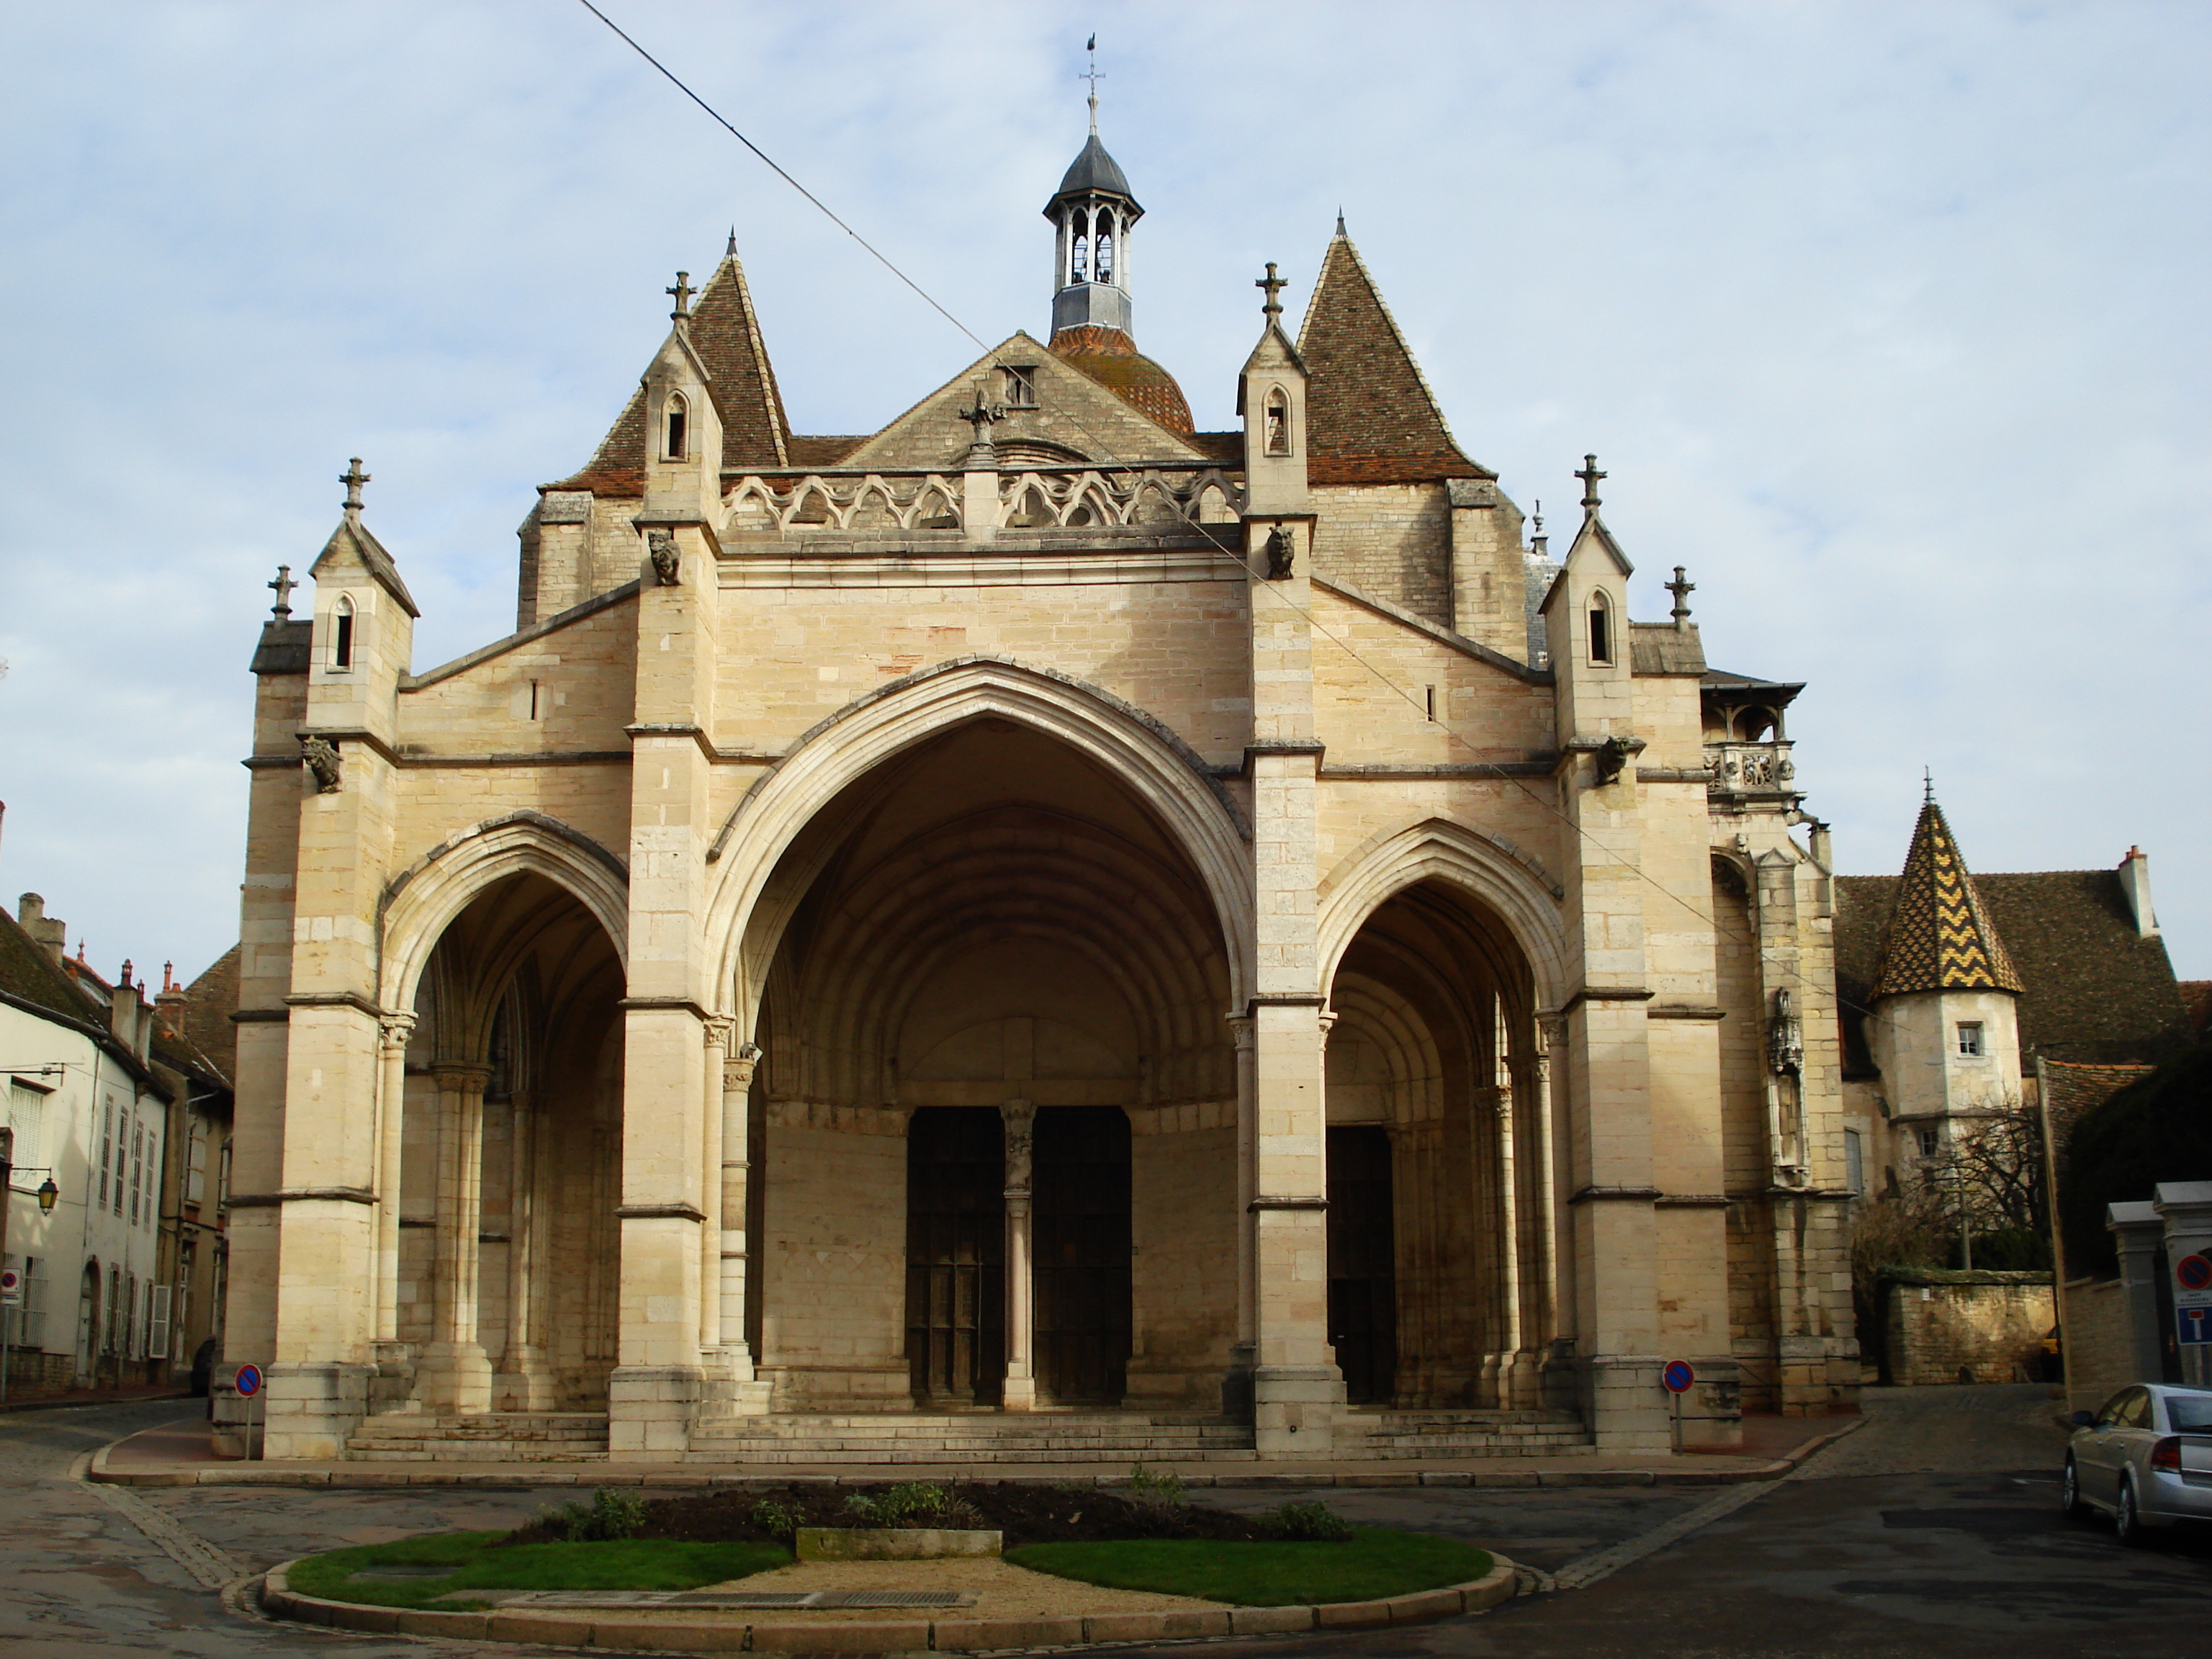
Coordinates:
[47,1194]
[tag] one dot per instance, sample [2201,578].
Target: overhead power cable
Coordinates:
[1114,463]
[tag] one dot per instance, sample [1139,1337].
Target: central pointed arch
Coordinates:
[1144,755]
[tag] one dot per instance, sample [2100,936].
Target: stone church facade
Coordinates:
[1038,929]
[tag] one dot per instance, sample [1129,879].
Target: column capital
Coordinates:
[738,1068]
[397,1029]
[716,1030]
[459,1077]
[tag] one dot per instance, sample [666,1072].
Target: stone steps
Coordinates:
[492,1438]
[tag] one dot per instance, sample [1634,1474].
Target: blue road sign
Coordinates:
[1678,1378]
[2196,1324]
[249,1380]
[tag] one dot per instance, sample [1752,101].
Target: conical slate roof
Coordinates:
[1939,938]
[1093,169]
[725,333]
[1369,416]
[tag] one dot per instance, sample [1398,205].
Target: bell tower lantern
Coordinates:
[1091,214]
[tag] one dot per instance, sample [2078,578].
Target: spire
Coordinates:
[1369,416]
[1092,212]
[724,330]
[1340,234]
[1940,939]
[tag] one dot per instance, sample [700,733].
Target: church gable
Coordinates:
[1048,414]
[1370,417]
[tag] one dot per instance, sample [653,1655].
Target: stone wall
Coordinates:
[1390,540]
[2099,1357]
[1979,1327]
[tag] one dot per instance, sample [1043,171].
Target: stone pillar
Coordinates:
[1297,1390]
[2186,1209]
[394,1386]
[525,1381]
[734,1263]
[1020,1388]
[2138,1230]
[1236,1384]
[455,1372]
[1536,1372]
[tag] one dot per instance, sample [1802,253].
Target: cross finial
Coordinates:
[353,479]
[1094,74]
[1274,285]
[683,292]
[1928,784]
[1682,588]
[283,585]
[1590,475]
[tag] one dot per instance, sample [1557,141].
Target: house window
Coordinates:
[1931,1142]
[1854,1163]
[673,422]
[106,1148]
[1021,386]
[26,1112]
[342,633]
[1970,1037]
[1600,628]
[1277,422]
[138,1167]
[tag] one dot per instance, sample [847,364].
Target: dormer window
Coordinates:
[674,422]
[342,633]
[1277,422]
[1021,386]
[1600,628]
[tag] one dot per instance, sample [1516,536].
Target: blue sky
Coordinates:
[1886,320]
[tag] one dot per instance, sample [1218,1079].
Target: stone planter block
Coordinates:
[891,1543]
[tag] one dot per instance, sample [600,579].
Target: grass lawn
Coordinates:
[645,1563]
[1375,1563]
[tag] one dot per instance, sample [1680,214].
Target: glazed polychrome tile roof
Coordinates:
[1940,937]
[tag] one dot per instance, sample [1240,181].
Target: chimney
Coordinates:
[53,937]
[122,1013]
[2135,883]
[172,1002]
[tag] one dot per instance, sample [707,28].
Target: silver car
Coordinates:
[2145,1459]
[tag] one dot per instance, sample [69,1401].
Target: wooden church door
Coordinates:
[1081,1235]
[1363,1270]
[955,1253]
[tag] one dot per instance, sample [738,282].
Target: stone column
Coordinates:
[735,1264]
[1541,1243]
[526,1382]
[716,1030]
[456,1374]
[1020,1388]
[1237,1386]
[394,1382]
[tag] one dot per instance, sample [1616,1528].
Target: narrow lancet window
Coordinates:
[1279,422]
[1105,256]
[678,418]
[1600,628]
[342,633]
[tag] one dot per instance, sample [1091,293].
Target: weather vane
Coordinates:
[1094,74]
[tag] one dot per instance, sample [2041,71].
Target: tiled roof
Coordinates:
[822,451]
[28,973]
[1370,416]
[725,333]
[2197,997]
[210,1001]
[1939,936]
[2093,992]
[2070,1090]
[1111,358]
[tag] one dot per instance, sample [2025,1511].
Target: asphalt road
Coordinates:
[1935,1531]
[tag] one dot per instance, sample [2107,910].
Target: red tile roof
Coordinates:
[1369,416]
[1111,358]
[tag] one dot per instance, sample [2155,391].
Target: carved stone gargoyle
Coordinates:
[1282,553]
[1611,758]
[667,562]
[323,760]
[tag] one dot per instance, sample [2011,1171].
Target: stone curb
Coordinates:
[376,1477]
[559,1628]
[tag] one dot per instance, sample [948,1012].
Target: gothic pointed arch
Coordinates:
[1506,879]
[1156,766]
[424,899]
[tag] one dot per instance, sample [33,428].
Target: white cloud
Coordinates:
[1886,321]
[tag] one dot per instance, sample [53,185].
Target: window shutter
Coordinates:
[157,1323]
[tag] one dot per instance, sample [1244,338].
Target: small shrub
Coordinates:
[777,1519]
[1156,1491]
[610,1515]
[958,1515]
[1307,1523]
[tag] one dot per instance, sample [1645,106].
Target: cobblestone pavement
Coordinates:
[1934,1531]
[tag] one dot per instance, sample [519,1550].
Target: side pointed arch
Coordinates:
[424,899]
[1144,756]
[1507,880]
